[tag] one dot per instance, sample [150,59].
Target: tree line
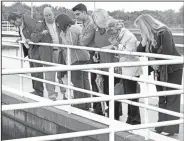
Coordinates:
[169,17]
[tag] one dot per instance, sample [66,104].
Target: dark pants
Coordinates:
[34,53]
[133,111]
[117,106]
[171,103]
[80,80]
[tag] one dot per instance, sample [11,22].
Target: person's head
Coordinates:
[100,18]
[48,15]
[15,19]
[63,22]
[148,26]
[80,12]
[114,27]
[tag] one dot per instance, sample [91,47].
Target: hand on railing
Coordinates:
[44,32]
[155,67]
[19,39]
[27,41]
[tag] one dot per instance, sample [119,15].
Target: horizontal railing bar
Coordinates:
[94,99]
[89,100]
[90,66]
[98,131]
[49,63]
[33,60]
[65,86]
[107,50]
[14,41]
[97,118]
[161,110]
[155,82]
[179,45]
[83,90]
[97,94]
[106,73]
[13,45]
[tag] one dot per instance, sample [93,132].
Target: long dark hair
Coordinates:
[63,21]
[13,16]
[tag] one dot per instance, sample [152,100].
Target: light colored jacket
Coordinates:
[71,37]
[126,41]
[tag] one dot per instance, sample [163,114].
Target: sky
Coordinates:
[111,6]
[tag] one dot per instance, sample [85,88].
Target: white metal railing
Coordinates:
[111,97]
[6,26]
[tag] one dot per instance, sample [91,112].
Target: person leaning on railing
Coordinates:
[70,36]
[157,38]
[123,40]
[49,34]
[87,36]
[27,26]
[100,18]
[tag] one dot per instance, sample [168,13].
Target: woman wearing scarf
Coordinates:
[157,38]
[123,40]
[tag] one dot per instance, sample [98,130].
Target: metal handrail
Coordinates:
[111,66]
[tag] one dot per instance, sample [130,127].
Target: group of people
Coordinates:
[101,31]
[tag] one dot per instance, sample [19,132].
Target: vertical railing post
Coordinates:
[89,78]
[7,27]
[21,66]
[111,102]
[146,100]
[69,74]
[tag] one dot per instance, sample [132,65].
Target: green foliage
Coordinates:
[169,17]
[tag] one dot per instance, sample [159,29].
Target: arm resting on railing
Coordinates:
[37,35]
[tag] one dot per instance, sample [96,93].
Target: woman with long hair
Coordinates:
[157,38]
[70,35]
[123,40]
[100,17]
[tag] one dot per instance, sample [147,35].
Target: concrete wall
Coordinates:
[51,120]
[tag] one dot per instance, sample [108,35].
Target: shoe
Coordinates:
[170,134]
[53,95]
[37,93]
[34,92]
[128,121]
[98,112]
[136,123]
[157,131]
